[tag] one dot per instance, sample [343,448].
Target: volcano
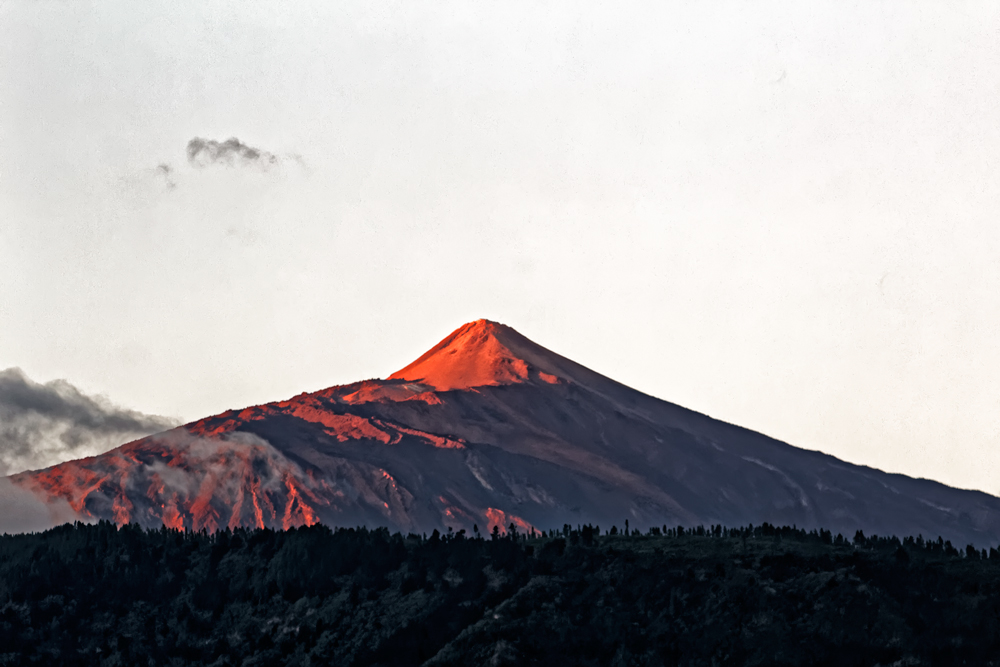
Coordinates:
[489,429]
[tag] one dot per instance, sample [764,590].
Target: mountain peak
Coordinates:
[481,353]
[533,437]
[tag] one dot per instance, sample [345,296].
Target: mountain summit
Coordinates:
[486,354]
[491,429]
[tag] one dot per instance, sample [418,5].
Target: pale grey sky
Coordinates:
[782,214]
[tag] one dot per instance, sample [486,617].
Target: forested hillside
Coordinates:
[103,595]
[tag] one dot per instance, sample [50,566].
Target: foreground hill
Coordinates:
[490,428]
[96,595]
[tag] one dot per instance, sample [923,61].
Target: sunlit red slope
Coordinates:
[490,429]
[185,481]
[484,354]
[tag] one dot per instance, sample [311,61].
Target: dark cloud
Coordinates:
[231,152]
[44,424]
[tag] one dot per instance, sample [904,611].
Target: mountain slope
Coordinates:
[488,428]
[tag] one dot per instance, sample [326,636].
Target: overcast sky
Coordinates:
[782,214]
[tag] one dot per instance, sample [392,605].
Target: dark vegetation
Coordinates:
[100,595]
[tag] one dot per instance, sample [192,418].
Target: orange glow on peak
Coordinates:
[479,354]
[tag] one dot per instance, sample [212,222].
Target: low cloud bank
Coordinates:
[45,424]
[22,512]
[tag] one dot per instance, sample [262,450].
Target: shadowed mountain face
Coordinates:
[488,429]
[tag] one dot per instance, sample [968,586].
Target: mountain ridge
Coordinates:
[488,428]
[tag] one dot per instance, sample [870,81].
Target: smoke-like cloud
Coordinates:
[220,459]
[23,512]
[166,172]
[45,424]
[231,152]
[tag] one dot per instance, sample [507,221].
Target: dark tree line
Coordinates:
[757,595]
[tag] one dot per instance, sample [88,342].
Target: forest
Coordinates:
[104,595]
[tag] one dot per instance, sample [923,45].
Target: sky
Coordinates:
[781,214]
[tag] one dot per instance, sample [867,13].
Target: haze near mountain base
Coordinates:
[490,429]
